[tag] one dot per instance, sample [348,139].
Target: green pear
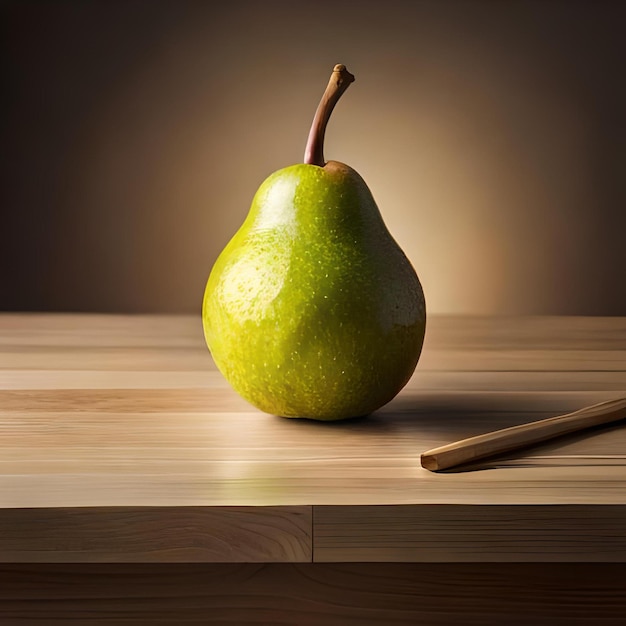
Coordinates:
[312,310]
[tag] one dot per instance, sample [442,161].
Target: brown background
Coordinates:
[134,134]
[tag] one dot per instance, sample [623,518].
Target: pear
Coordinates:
[312,310]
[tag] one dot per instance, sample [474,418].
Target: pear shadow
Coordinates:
[362,423]
[441,416]
[452,416]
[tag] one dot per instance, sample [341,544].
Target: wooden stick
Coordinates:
[507,439]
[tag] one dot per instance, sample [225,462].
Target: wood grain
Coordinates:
[127,416]
[170,447]
[456,534]
[356,594]
[156,535]
[445,332]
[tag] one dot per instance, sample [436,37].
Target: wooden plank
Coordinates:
[442,533]
[111,358]
[66,448]
[118,379]
[448,332]
[521,381]
[198,358]
[99,330]
[440,405]
[531,360]
[392,481]
[356,594]
[156,535]
[478,332]
[422,380]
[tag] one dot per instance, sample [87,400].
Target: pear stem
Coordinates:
[339,81]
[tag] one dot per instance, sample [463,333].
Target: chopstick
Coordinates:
[508,439]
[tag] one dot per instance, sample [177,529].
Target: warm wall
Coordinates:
[134,134]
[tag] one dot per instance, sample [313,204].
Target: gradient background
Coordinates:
[135,133]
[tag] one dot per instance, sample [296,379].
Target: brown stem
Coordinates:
[339,81]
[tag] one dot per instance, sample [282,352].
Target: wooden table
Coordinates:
[136,487]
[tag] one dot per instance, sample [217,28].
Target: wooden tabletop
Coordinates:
[119,441]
